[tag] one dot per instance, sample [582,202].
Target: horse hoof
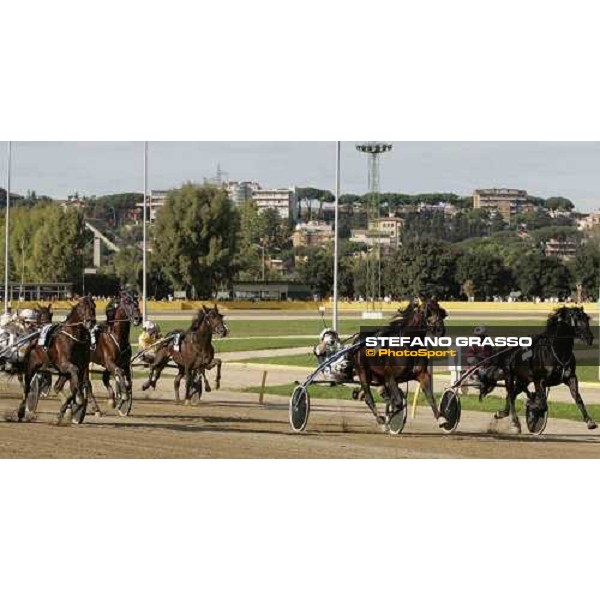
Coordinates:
[515,428]
[30,417]
[592,425]
[442,421]
[207,388]
[380,420]
[98,414]
[501,414]
[111,403]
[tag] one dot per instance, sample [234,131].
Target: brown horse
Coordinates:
[194,355]
[68,352]
[112,351]
[414,322]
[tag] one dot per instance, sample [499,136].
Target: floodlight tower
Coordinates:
[374,150]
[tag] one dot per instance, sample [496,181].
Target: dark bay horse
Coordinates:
[195,354]
[113,352]
[548,363]
[414,322]
[68,352]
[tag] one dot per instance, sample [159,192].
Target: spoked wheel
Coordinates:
[299,408]
[34,394]
[450,409]
[537,419]
[396,416]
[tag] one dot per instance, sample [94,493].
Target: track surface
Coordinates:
[229,424]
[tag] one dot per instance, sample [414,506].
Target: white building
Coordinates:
[390,227]
[241,191]
[284,201]
[589,222]
[156,202]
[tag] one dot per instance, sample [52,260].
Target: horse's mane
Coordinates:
[403,314]
[74,308]
[558,315]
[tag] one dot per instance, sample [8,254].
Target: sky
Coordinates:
[570,169]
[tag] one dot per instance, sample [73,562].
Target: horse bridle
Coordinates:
[205,317]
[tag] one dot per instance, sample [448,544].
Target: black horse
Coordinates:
[548,363]
[417,321]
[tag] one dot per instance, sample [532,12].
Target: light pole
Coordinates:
[6,229]
[144,258]
[335,239]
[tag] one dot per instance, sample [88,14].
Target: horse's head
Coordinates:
[44,314]
[215,320]
[577,318]
[85,311]
[433,317]
[128,305]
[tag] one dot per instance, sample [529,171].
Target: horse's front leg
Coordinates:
[30,373]
[370,402]
[573,384]
[90,394]
[72,372]
[156,368]
[512,391]
[108,387]
[219,363]
[177,383]
[426,383]
[189,386]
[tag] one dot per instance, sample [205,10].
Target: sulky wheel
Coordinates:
[450,409]
[34,393]
[299,408]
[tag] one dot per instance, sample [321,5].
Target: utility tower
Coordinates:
[374,150]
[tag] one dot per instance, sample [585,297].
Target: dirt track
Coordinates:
[232,425]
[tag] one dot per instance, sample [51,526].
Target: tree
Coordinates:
[196,238]
[485,272]
[316,269]
[427,266]
[585,269]
[559,203]
[57,246]
[543,276]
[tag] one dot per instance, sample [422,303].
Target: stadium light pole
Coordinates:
[6,226]
[144,249]
[336,237]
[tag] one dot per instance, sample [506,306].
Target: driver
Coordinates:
[476,354]
[327,346]
[149,336]
[28,319]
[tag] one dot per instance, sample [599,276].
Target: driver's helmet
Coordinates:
[328,337]
[149,326]
[480,330]
[29,315]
